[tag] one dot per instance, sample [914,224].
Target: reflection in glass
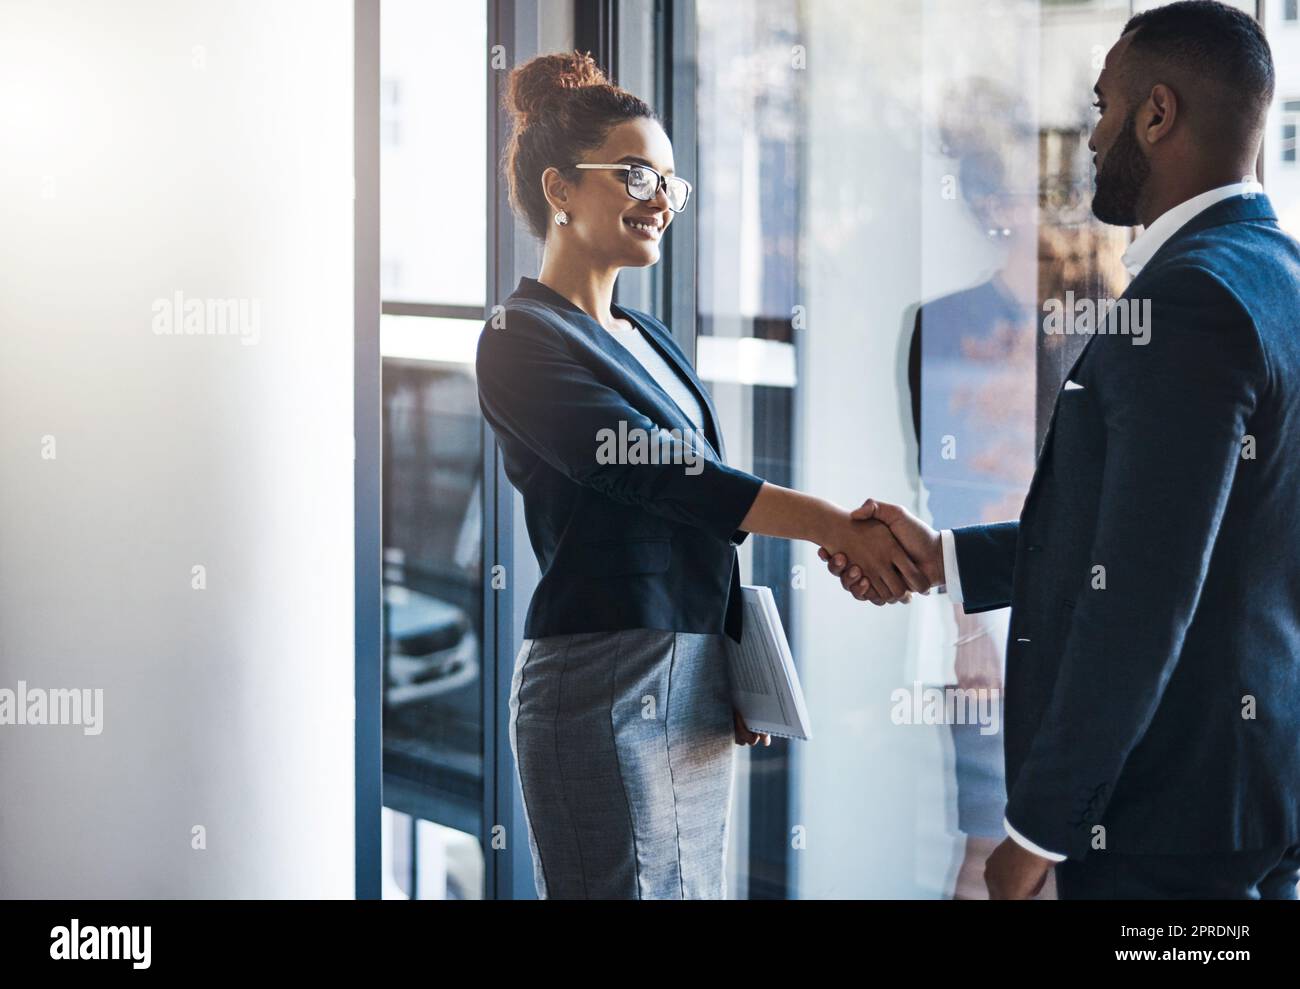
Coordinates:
[433,615]
[889,195]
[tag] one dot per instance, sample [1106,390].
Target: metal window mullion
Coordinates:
[367,432]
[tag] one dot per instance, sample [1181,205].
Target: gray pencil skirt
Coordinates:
[626,754]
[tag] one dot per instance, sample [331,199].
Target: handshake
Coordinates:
[883,553]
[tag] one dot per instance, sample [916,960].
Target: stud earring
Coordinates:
[562,218]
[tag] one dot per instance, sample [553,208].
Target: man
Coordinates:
[1153,668]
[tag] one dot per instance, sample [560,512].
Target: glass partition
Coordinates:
[888,193]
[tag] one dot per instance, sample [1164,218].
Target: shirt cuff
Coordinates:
[1024,842]
[952,580]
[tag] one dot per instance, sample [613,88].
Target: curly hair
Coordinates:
[561,106]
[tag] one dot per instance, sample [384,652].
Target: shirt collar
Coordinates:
[1151,239]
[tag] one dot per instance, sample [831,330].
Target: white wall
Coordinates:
[151,148]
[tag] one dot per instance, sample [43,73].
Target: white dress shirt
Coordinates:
[1139,252]
[1153,238]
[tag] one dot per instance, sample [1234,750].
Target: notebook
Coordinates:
[765,685]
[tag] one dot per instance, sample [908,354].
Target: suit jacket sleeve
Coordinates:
[1175,413]
[986,557]
[533,389]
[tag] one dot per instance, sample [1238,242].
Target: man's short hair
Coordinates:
[1214,44]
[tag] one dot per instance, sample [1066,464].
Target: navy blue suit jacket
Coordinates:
[1153,667]
[620,545]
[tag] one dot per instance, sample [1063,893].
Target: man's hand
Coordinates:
[922,544]
[884,566]
[1013,872]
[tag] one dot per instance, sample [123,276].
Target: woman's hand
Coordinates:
[746,737]
[878,562]
[922,545]
[885,570]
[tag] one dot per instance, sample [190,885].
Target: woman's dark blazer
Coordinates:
[620,545]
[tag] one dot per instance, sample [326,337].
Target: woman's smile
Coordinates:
[649,227]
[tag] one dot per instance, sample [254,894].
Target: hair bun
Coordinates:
[540,80]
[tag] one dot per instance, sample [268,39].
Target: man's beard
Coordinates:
[1121,178]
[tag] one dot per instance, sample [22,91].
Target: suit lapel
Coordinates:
[1232,210]
[670,353]
[1069,375]
[602,340]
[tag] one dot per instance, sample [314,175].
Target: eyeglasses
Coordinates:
[644,183]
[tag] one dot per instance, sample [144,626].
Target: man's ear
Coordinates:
[555,189]
[1156,119]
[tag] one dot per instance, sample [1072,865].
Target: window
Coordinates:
[433,280]
[1290,116]
[433,156]
[887,198]
[1280,175]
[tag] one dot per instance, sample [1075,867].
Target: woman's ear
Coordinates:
[556,189]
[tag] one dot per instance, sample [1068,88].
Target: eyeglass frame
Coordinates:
[662,183]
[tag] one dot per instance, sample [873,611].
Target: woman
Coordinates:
[621,722]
